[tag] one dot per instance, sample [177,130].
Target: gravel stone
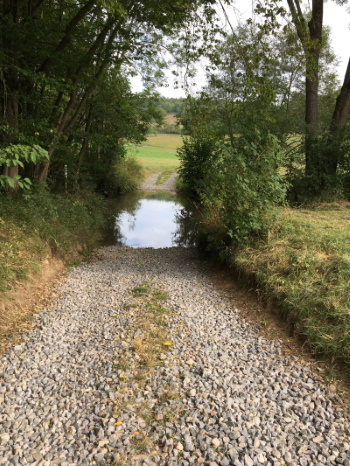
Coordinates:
[220,394]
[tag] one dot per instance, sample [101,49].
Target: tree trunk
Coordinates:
[310,36]
[68,35]
[64,126]
[84,146]
[339,120]
[312,53]
[11,85]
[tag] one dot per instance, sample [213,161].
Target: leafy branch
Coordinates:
[15,156]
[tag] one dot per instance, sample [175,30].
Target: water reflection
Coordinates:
[155,220]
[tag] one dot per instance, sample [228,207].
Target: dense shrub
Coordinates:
[198,156]
[238,186]
[128,175]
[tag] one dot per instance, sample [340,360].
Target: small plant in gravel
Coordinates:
[141,290]
[141,443]
[160,295]
[123,364]
[164,176]
[148,347]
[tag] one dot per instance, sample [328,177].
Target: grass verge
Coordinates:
[36,227]
[164,176]
[305,268]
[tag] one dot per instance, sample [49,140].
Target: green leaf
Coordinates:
[10,181]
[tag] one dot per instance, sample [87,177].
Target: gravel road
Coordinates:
[232,397]
[169,185]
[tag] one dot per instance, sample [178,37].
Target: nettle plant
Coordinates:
[14,156]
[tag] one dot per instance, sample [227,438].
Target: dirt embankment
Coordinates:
[18,305]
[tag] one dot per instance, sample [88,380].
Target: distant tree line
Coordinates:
[171,109]
[171,104]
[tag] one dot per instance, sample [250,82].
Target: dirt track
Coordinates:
[169,185]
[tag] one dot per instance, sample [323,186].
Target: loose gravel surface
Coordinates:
[169,185]
[221,394]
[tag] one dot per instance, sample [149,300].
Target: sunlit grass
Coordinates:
[306,266]
[158,153]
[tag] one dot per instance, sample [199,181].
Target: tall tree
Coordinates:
[320,162]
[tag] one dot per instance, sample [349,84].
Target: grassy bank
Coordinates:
[305,268]
[35,228]
[36,225]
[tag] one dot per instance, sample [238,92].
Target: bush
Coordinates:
[198,156]
[238,186]
[128,175]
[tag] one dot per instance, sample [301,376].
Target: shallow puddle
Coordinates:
[155,220]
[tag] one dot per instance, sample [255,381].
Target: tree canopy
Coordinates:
[58,58]
[65,68]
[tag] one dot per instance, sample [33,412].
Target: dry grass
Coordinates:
[150,344]
[305,266]
[171,119]
[18,305]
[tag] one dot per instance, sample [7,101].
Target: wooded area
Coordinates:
[66,98]
[64,81]
[68,109]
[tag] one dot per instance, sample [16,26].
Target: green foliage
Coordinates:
[240,194]
[170,104]
[305,268]
[16,156]
[128,175]
[116,117]
[19,153]
[65,68]
[321,183]
[12,182]
[199,156]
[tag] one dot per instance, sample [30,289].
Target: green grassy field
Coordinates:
[158,153]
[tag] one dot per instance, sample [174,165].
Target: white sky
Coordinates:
[335,16]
